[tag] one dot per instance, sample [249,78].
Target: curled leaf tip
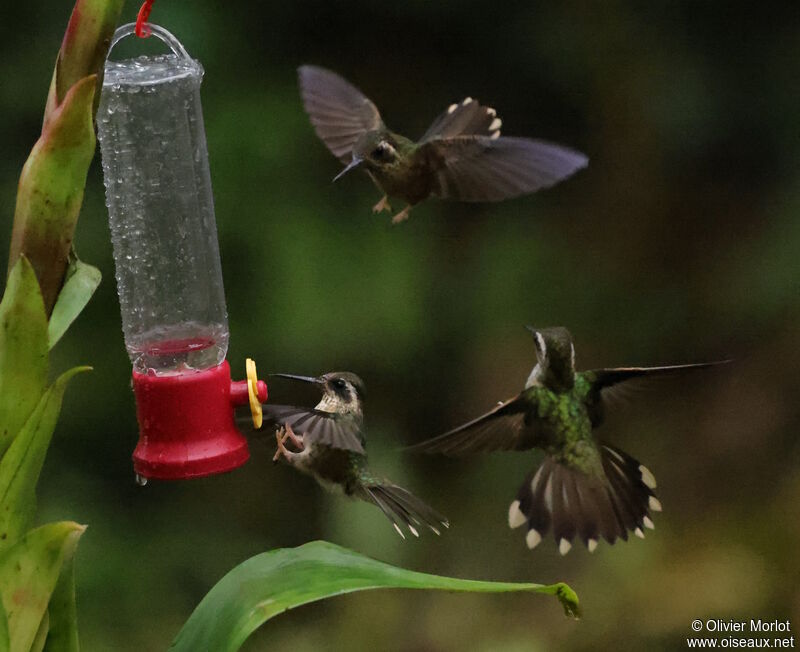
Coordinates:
[569,600]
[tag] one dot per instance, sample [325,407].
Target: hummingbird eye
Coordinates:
[383,151]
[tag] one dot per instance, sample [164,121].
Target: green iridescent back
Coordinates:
[564,424]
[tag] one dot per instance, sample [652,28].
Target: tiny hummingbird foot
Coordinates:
[402,216]
[281,435]
[382,205]
[281,450]
[297,442]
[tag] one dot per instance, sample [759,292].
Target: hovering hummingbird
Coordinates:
[330,446]
[582,488]
[461,156]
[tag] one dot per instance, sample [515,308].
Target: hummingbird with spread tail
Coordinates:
[330,446]
[583,488]
[461,156]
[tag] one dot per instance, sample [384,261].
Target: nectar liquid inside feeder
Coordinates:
[169,277]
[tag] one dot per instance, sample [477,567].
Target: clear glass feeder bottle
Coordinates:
[161,210]
[169,278]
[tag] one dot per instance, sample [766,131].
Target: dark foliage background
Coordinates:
[679,243]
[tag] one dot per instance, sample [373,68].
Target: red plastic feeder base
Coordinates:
[186,424]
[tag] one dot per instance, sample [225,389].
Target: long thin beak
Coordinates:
[304,379]
[350,166]
[532,329]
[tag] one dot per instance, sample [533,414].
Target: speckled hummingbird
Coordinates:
[582,488]
[331,447]
[461,156]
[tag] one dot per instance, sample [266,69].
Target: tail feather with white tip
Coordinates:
[466,118]
[575,504]
[402,508]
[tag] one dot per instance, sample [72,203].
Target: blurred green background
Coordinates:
[679,243]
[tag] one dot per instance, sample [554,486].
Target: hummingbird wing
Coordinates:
[324,428]
[468,117]
[339,111]
[611,385]
[502,428]
[484,168]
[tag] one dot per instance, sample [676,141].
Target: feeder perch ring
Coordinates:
[252,391]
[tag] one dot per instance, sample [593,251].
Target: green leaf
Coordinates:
[29,570]
[4,643]
[81,282]
[23,351]
[275,581]
[51,187]
[20,466]
[63,632]
[41,634]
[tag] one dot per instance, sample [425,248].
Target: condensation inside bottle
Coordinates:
[161,212]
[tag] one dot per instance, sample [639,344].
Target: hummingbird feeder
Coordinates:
[169,276]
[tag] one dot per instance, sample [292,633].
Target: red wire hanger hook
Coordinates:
[142,28]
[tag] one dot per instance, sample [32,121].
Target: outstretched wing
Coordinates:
[339,112]
[502,428]
[484,168]
[323,428]
[610,385]
[467,118]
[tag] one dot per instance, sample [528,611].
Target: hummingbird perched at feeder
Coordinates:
[583,487]
[330,446]
[461,156]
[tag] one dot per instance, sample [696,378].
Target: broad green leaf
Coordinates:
[4,643]
[275,581]
[63,632]
[20,466]
[51,187]
[23,351]
[81,282]
[29,570]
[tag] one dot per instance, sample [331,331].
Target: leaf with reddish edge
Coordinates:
[84,48]
[51,190]
[51,185]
